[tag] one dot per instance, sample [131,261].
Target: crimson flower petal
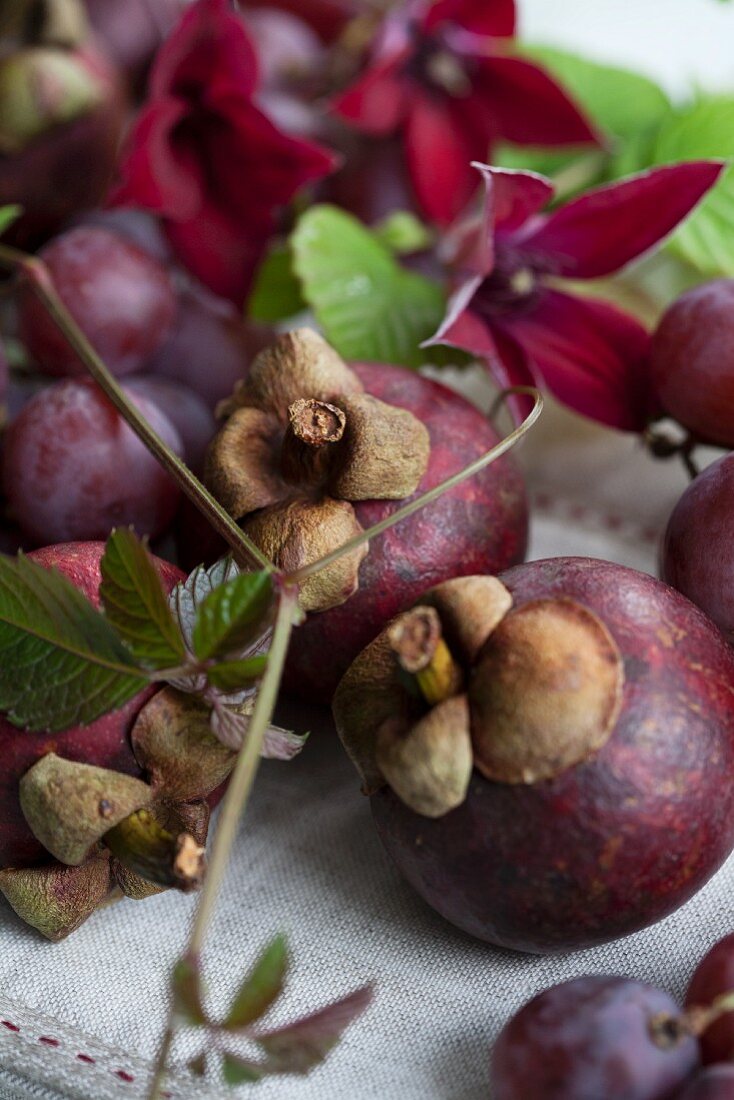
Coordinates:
[590,354]
[606,228]
[224,261]
[156,175]
[460,327]
[377,101]
[439,158]
[530,107]
[514,195]
[492,18]
[209,44]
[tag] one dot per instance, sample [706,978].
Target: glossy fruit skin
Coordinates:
[136,226]
[589,1039]
[73,469]
[479,527]
[122,299]
[105,742]
[189,414]
[209,347]
[712,1083]
[692,361]
[713,976]
[696,555]
[617,842]
[70,167]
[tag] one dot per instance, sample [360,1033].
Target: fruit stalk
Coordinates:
[244,550]
[236,799]
[421,651]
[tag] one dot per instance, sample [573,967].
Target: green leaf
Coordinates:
[239,1071]
[261,986]
[621,102]
[187,995]
[367,305]
[276,294]
[61,663]
[188,596]
[704,129]
[136,604]
[235,675]
[8,215]
[403,233]
[233,615]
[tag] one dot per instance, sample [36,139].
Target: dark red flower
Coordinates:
[441,73]
[509,310]
[206,159]
[327,17]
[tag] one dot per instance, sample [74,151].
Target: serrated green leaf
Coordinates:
[234,675]
[240,1071]
[136,604]
[703,129]
[403,233]
[8,215]
[188,596]
[276,294]
[233,615]
[261,986]
[61,662]
[621,102]
[187,994]
[367,305]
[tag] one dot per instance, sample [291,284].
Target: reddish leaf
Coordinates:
[606,228]
[377,102]
[530,107]
[298,1047]
[590,354]
[487,18]
[439,159]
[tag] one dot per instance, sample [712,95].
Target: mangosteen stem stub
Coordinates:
[145,847]
[312,426]
[416,639]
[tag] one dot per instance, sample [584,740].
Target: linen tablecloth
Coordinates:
[81,1019]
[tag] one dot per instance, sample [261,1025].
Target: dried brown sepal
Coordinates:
[546,691]
[371,692]
[384,452]
[174,745]
[299,532]
[144,846]
[241,468]
[429,766]
[470,608]
[187,817]
[70,806]
[300,364]
[417,641]
[56,899]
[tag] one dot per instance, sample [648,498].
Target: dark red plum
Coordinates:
[209,347]
[696,554]
[188,413]
[593,1038]
[713,977]
[481,526]
[712,1083]
[623,837]
[73,469]
[692,361]
[133,31]
[122,299]
[69,166]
